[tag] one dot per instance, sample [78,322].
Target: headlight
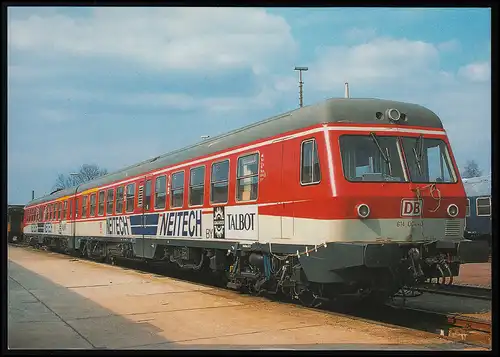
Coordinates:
[363,210]
[452,210]
[393,114]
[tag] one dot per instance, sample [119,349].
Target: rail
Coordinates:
[474,292]
[455,327]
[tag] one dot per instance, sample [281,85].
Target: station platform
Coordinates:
[58,302]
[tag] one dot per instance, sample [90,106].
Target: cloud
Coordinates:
[164,38]
[379,60]
[449,46]
[476,72]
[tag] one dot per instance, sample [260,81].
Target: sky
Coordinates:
[115,86]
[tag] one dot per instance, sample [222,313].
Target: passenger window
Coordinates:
[247,178]
[77,207]
[119,200]
[130,197]
[84,206]
[100,203]
[58,208]
[147,196]
[219,182]
[64,211]
[160,192]
[310,172]
[177,190]
[109,201]
[483,206]
[70,206]
[196,186]
[92,205]
[467,209]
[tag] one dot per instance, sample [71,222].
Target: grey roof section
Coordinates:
[478,186]
[335,110]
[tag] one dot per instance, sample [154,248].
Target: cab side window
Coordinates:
[310,172]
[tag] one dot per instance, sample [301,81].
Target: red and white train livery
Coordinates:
[346,196]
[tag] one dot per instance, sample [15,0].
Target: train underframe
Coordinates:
[364,271]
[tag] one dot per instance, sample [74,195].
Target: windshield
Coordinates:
[428,160]
[371,158]
[379,158]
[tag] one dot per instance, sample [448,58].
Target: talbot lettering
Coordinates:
[241,221]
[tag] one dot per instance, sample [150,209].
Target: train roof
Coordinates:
[335,110]
[477,186]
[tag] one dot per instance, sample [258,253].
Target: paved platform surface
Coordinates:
[56,302]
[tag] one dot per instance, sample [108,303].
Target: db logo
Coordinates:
[411,207]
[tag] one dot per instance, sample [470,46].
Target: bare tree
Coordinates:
[86,173]
[471,169]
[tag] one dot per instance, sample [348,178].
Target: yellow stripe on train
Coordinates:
[90,190]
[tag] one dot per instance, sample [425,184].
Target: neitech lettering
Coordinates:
[181,224]
[241,221]
[117,226]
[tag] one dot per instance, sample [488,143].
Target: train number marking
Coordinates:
[401,224]
[411,207]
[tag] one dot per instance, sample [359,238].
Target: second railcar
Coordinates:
[478,220]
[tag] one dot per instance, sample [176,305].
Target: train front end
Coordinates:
[399,205]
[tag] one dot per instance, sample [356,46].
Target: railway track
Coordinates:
[455,327]
[474,292]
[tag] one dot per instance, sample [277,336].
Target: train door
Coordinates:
[144,245]
[288,188]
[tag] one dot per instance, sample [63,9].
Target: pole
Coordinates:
[301,84]
[32,195]
[301,98]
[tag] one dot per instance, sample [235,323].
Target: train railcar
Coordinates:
[478,214]
[347,196]
[15,223]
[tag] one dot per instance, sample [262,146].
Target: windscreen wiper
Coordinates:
[418,152]
[384,156]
